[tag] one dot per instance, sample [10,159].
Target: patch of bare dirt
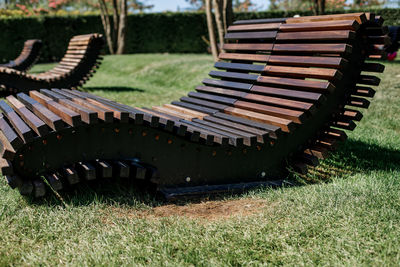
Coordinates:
[208,210]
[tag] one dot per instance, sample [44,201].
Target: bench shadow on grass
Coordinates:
[351,157]
[113,89]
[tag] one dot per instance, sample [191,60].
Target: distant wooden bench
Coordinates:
[282,94]
[28,57]
[75,68]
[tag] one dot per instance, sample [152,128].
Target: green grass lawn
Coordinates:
[347,212]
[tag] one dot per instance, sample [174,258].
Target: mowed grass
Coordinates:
[347,212]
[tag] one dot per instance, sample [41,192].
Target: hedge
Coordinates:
[147,33]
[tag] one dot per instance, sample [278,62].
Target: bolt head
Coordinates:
[187,179]
[263,174]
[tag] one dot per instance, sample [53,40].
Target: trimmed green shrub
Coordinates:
[147,33]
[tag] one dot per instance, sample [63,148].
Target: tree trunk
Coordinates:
[227,14]
[219,21]
[211,33]
[123,20]
[115,23]
[105,19]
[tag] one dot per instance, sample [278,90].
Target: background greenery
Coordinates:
[346,213]
[147,33]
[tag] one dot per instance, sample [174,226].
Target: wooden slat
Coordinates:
[23,130]
[274,131]
[309,85]
[286,125]
[247,47]
[244,57]
[298,72]
[86,170]
[320,26]
[68,116]
[316,36]
[31,119]
[313,48]
[262,136]
[70,175]
[186,111]
[359,17]
[267,35]
[308,61]
[287,93]
[9,136]
[253,27]
[293,115]
[87,115]
[103,114]
[103,169]
[51,119]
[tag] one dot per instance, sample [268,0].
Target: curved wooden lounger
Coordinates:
[29,55]
[74,69]
[283,94]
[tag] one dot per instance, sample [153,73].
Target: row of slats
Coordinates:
[81,171]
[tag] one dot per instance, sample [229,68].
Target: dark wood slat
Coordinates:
[54,181]
[87,116]
[195,107]
[373,67]
[23,130]
[266,35]
[248,139]
[103,169]
[313,48]
[359,17]
[247,47]
[214,98]
[165,122]
[228,84]
[262,136]
[119,113]
[284,124]
[70,175]
[9,136]
[86,170]
[358,102]
[245,57]
[181,130]
[368,80]
[321,26]
[210,136]
[298,72]
[204,103]
[31,119]
[233,75]
[274,131]
[39,188]
[293,115]
[309,85]
[316,36]
[254,27]
[308,61]
[363,91]
[335,133]
[287,93]
[6,150]
[351,114]
[259,21]
[68,116]
[51,119]
[103,114]
[344,124]
[239,66]
[120,169]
